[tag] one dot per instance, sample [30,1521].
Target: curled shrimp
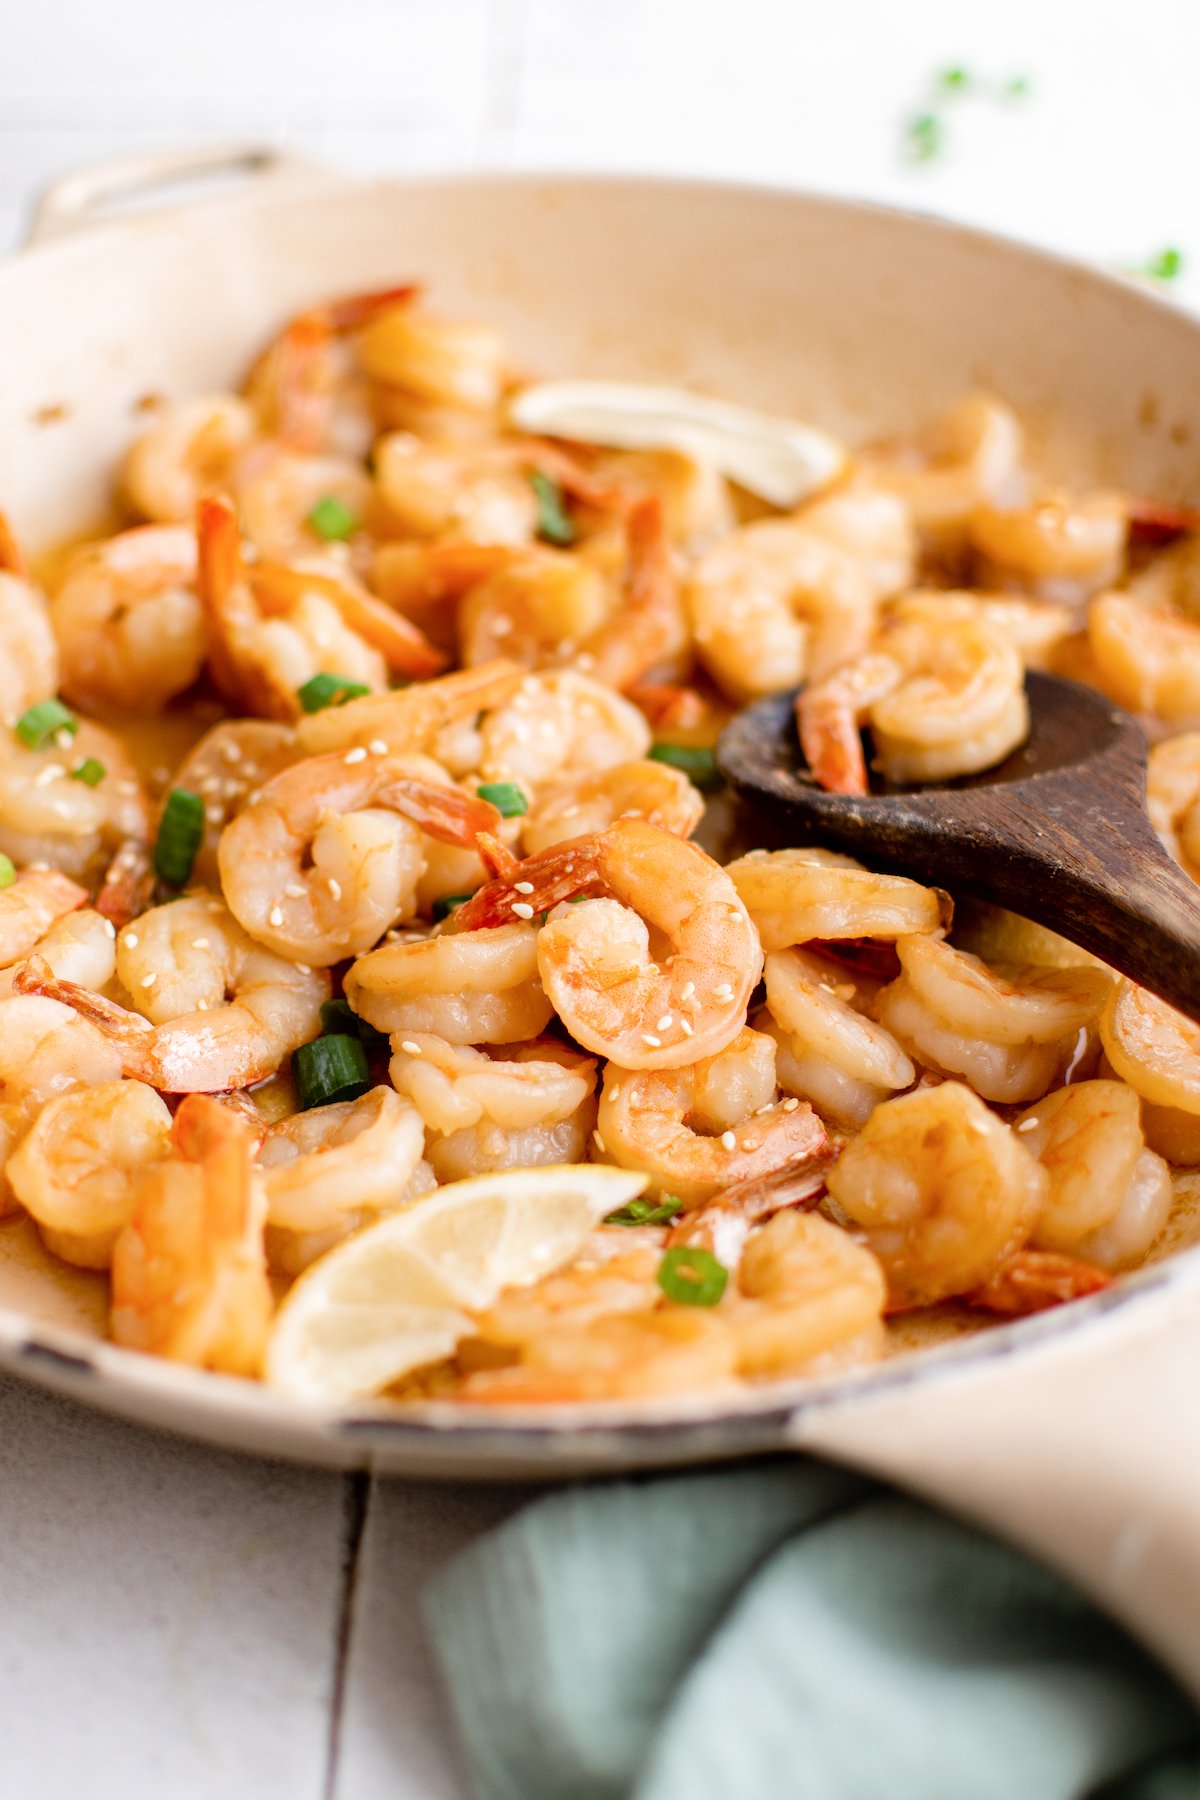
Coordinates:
[428,719]
[968,457]
[626,1355]
[331,1169]
[48,817]
[516,1108]
[45,1051]
[648,629]
[723,1222]
[809,1299]
[1036,629]
[278,492]
[537,608]
[1063,547]
[188,450]
[783,599]
[189,1276]
[476,987]
[232,761]
[796,895]
[433,369]
[1108,1196]
[559,723]
[644,789]
[128,620]
[304,382]
[328,856]
[467,493]
[697,1130]
[1146,657]
[828,1051]
[940,1190]
[180,962]
[644,1003]
[272,629]
[1010,1031]
[77,1169]
[29,667]
[1033,1280]
[943,695]
[78,946]
[30,905]
[1173,798]
[1156,1049]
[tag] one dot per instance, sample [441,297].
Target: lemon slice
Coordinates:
[780,460]
[400,1293]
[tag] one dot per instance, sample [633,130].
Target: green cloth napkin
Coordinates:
[788,1630]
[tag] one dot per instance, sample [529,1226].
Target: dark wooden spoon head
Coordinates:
[1057,832]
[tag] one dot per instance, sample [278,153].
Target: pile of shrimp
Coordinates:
[447,695]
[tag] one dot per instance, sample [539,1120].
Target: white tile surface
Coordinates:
[171,1615]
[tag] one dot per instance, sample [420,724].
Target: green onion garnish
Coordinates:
[698,765]
[1017,87]
[331,518]
[90,771]
[691,1276]
[954,81]
[43,722]
[924,137]
[321,691]
[8,873]
[555,525]
[329,1069]
[1165,266]
[646,1212]
[339,1019]
[180,835]
[446,903]
[506,797]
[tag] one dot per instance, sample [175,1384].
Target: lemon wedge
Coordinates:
[400,1293]
[780,460]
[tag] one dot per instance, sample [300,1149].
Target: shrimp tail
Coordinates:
[666,706]
[1152,522]
[444,813]
[225,595]
[724,1222]
[12,558]
[127,885]
[1034,1280]
[130,1035]
[832,744]
[649,624]
[403,645]
[564,872]
[496,857]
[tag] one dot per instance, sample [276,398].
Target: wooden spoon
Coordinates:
[1058,832]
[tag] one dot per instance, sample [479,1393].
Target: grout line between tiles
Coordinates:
[357,1487]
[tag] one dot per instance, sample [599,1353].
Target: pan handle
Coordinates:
[85,196]
[1084,1450]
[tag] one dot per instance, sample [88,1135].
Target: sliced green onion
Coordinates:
[329,1069]
[646,1212]
[924,137]
[180,835]
[1166,265]
[1017,87]
[954,81]
[699,765]
[506,797]
[692,1276]
[90,771]
[555,525]
[43,722]
[321,691]
[8,873]
[332,519]
[445,905]
[339,1018]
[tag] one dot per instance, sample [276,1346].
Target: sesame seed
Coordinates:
[728,1140]
[790,1105]
[522,887]
[751,1143]
[335,888]
[293,891]
[760,1110]
[651,1042]
[664,1024]
[131,940]
[724,992]
[202,1006]
[275,916]
[231,752]
[689,991]
[304,968]
[357,755]
[377,747]
[64,739]
[614,1092]
[522,909]
[1028,1124]
[412,1049]
[197,943]
[685,1025]
[600,1144]
[148,981]
[51,772]
[110,928]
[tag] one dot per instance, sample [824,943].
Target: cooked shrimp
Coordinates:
[512,1109]
[305,388]
[1063,547]
[943,695]
[647,632]
[30,905]
[1146,657]
[1036,629]
[783,599]
[225,767]
[1108,1197]
[328,856]
[559,723]
[128,620]
[596,961]
[621,1356]
[189,450]
[723,1222]
[1173,798]
[540,607]
[217,1010]
[796,895]
[697,1130]
[431,718]
[335,1167]
[189,1277]
[78,946]
[969,457]
[45,1051]
[48,817]
[476,987]
[827,1051]
[616,1272]
[941,1191]
[77,1169]
[1157,1051]
[1032,1280]
[446,364]
[1010,1031]
[29,669]
[809,1299]
[645,789]
[471,493]
[277,492]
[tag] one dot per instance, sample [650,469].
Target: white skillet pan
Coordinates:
[1076,1433]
